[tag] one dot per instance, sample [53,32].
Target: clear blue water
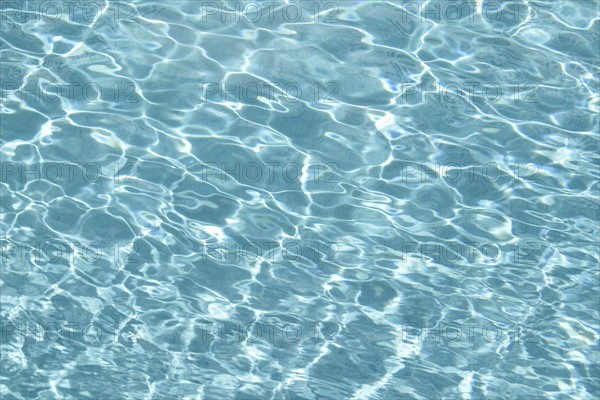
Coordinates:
[301,200]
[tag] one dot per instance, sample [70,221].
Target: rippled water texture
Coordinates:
[314,200]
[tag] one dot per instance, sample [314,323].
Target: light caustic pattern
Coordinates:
[299,200]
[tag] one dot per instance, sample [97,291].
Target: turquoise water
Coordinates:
[299,200]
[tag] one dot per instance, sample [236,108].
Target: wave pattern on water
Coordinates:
[422,188]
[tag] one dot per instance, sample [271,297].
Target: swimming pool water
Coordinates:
[299,199]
